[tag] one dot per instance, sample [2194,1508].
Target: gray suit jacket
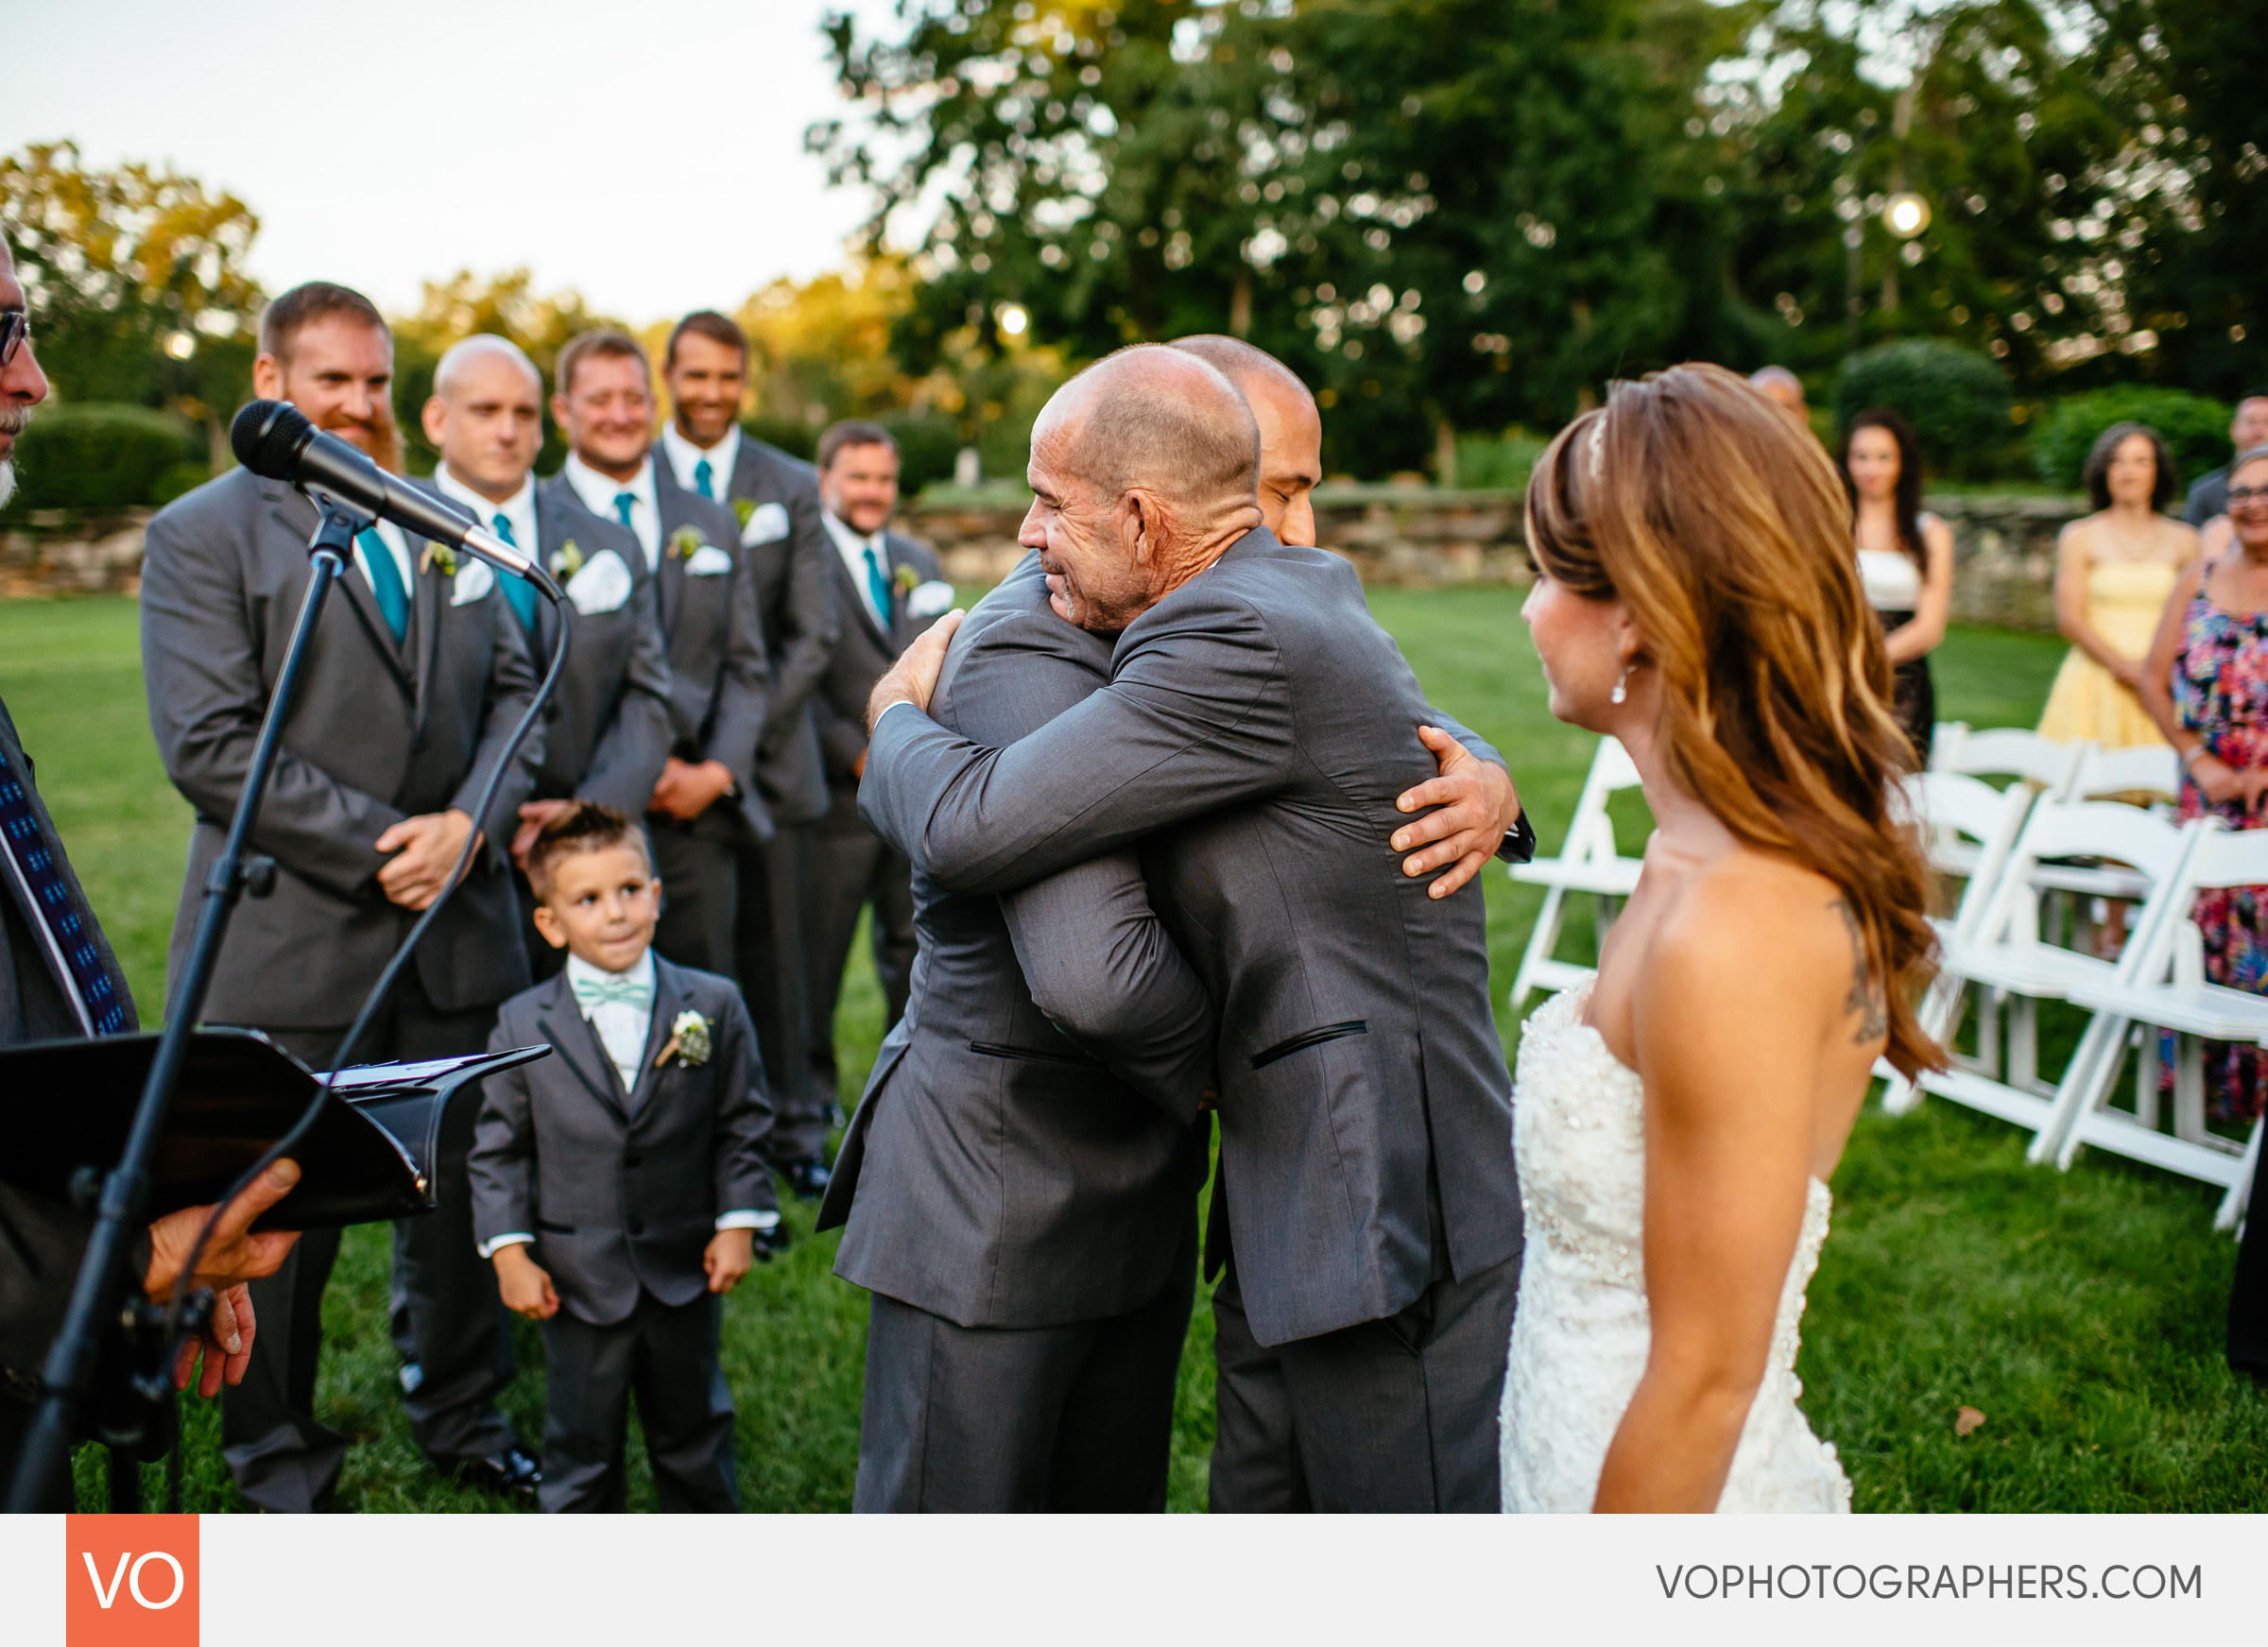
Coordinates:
[40,1241]
[606,730]
[380,732]
[862,656]
[800,623]
[1023,1156]
[720,678]
[1257,729]
[622,1191]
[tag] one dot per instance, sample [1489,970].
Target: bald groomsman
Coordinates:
[706,810]
[776,499]
[417,675]
[889,588]
[608,734]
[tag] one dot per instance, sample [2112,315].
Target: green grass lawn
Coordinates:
[2080,1313]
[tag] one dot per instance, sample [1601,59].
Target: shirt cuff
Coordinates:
[750,1220]
[511,1238]
[901,703]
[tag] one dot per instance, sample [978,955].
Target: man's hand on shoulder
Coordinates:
[914,677]
[1478,808]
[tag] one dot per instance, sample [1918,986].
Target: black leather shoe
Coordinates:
[770,1242]
[809,1179]
[510,1474]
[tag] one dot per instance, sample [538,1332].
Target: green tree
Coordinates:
[135,281]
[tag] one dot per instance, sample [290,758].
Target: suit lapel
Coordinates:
[549,541]
[854,598]
[579,1047]
[669,509]
[425,622]
[296,515]
[669,1000]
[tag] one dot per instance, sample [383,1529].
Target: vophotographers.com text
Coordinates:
[1913,1581]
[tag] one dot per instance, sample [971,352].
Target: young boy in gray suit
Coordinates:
[618,1185]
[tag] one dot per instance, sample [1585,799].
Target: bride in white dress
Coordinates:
[1677,1122]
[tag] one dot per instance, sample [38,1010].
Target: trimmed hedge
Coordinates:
[1957,400]
[2196,430]
[93,456]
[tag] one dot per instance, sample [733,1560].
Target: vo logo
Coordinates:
[131,1581]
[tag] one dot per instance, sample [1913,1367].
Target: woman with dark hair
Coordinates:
[1676,1120]
[2113,573]
[1905,560]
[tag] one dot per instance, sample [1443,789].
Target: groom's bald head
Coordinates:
[1144,467]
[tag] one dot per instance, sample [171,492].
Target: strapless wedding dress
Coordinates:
[1579,1339]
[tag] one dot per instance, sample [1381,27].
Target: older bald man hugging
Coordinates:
[1255,737]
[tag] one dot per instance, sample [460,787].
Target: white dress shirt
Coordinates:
[520,508]
[683,454]
[623,1030]
[390,535]
[598,490]
[852,548]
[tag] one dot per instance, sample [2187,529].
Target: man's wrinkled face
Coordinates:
[607,413]
[1092,579]
[23,384]
[860,487]
[340,370]
[1291,456]
[488,425]
[704,378]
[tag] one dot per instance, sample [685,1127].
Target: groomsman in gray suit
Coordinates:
[889,593]
[416,680]
[1020,1179]
[607,732]
[706,811]
[1260,736]
[776,499]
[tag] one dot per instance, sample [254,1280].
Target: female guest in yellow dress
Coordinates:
[2113,573]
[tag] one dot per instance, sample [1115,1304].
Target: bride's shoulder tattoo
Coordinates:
[1866,997]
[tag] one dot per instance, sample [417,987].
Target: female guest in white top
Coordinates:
[1905,559]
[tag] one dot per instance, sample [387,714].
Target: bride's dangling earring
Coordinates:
[1621,686]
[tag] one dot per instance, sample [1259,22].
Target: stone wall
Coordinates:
[2004,548]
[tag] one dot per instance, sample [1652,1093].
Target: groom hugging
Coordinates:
[1148,795]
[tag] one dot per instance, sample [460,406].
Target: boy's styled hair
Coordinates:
[584,826]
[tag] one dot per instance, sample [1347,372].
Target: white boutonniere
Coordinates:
[439,554]
[688,1041]
[685,539]
[567,560]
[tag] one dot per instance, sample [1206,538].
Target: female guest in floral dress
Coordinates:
[2206,684]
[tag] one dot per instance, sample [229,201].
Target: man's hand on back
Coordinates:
[428,847]
[1478,808]
[914,676]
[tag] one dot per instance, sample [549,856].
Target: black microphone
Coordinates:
[274,439]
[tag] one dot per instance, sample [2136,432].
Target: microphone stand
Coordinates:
[104,1291]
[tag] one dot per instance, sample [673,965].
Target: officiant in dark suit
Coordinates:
[776,500]
[888,591]
[415,679]
[61,980]
[607,731]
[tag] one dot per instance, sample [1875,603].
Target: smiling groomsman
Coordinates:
[889,590]
[608,732]
[706,810]
[416,678]
[776,499]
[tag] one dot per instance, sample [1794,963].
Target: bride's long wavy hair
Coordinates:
[1722,527]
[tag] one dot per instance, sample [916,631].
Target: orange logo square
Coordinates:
[130,1581]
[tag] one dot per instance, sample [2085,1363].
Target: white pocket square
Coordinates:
[929,600]
[767,523]
[601,586]
[473,582]
[711,561]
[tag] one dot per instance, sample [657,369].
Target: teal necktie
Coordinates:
[612,988]
[517,589]
[385,582]
[878,585]
[702,475]
[623,503]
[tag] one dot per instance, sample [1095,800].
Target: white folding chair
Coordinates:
[1588,862]
[2006,957]
[2146,997]
[1970,830]
[2148,769]
[2005,752]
